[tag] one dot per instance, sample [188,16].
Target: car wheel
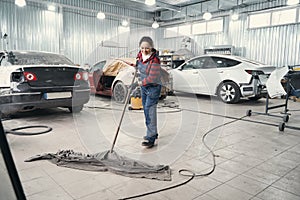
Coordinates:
[120,92]
[75,109]
[229,92]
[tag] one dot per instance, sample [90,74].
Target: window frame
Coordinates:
[168,30]
[271,17]
[176,32]
[207,23]
[189,26]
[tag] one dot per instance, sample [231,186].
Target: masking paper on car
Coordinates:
[113,67]
[106,161]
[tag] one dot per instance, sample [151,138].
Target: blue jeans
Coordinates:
[150,97]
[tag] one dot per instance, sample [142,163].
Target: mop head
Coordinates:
[106,161]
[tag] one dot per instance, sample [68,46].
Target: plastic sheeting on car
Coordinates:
[106,161]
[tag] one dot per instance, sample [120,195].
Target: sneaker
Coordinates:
[146,138]
[148,144]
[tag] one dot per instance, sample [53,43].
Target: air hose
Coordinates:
[190,174]
[16,131]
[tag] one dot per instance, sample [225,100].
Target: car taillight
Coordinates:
[254,72]
[81,76]
[29,76]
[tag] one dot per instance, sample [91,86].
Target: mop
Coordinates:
[108,160]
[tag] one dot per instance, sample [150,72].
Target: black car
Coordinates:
[32,80]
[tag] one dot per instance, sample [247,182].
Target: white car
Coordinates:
[124,78]
[228,77]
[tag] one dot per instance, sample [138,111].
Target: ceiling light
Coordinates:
[155,25]
[207,16]
[235,16]
[292,2]
[125,22]
[20,3]
[150,2]
[101,15]
[51,7]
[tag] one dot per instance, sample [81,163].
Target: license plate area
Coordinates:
[57,95]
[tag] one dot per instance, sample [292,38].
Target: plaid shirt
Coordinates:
[152,70]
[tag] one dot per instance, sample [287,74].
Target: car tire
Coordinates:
[229,92]
[120,92]
[75,109]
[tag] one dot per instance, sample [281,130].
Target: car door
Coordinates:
[210,75]
[186,77]
[215,70]
[96,73]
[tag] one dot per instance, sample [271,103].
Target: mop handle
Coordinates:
[123,112]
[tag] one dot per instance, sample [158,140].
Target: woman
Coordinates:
[148,65]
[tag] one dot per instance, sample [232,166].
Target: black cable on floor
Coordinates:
[192,174]
[16,131]
[164,189]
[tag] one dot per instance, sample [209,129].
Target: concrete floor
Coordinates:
[254,161]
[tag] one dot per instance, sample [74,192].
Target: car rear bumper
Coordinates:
[17,102]
[254,88]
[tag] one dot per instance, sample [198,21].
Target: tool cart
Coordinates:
[290,83]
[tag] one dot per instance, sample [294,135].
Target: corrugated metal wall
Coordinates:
[72,29]
[30,28]
[278,45]
[78,34]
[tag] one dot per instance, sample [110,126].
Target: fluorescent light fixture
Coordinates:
[101,15]
[51,7]
[20,3]
[235,16]
[207,16]
[292,2]
[125,23]
[155,25]
[150,2]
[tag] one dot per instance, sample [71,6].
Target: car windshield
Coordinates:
[36,58]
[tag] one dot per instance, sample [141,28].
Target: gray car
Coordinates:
[32,80]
